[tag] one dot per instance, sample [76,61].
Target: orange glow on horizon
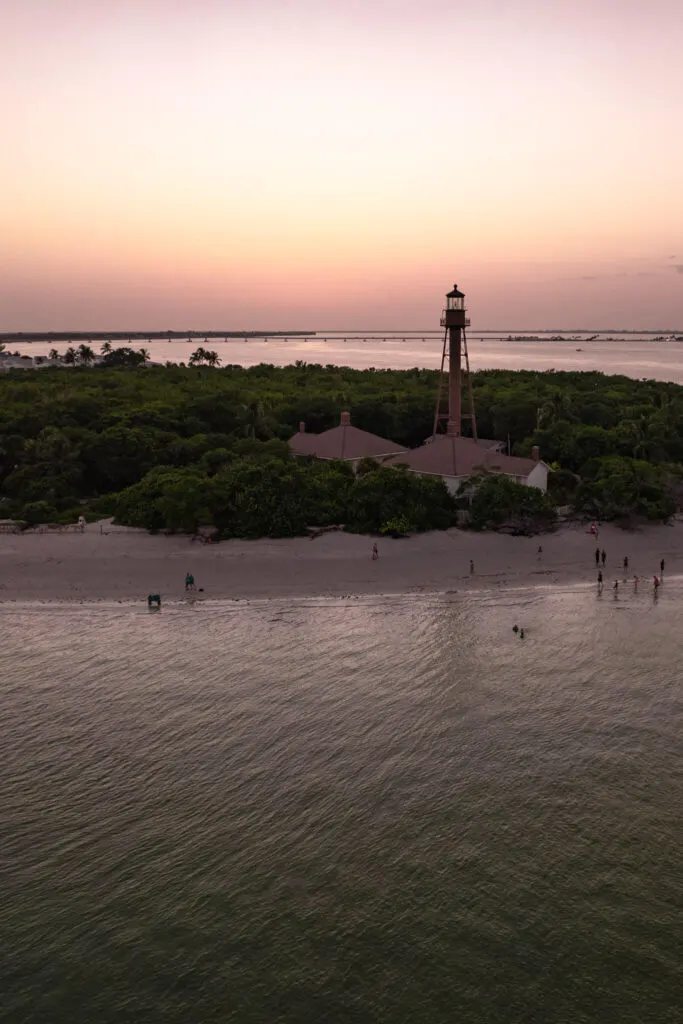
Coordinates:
[340,165]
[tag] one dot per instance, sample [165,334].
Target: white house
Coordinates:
[455,459]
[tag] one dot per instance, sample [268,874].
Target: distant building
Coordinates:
[11,362]
[343,442]
[455,459]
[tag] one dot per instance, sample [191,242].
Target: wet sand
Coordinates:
[114,563]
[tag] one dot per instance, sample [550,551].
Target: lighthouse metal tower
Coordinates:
[455,320]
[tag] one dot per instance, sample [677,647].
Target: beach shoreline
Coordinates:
[117,564]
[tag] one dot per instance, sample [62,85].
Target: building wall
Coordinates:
[538,477]
[453,483]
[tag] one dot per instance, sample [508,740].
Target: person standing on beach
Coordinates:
[615,588]
[603,558]
[540,552]
[600,580]
[661,567]
[471,567]
[635,583]
[625,563]
[375,552]
[597,556]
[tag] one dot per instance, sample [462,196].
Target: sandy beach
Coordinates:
[108,563]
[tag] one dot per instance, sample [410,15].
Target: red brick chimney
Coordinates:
[302,427]
[535,453]
[346,419]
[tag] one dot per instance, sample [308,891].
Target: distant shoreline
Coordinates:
[121,565]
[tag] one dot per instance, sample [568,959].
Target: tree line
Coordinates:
[125,355]
[135,440]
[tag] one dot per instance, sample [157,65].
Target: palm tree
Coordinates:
[105,348]
[212,358]
[197,357]
[54,355]
[254,421]
[70,356]
[86,356]
[144,353]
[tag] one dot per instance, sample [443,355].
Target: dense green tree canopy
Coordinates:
[74,438]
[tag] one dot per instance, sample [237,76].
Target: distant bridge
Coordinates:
[334,337]
[85,337]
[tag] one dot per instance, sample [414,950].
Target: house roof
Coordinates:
[343,442]
[483,442]
[460,456]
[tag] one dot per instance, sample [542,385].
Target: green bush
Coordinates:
[398,526]
[622,488]
[36,512]
[497,502]
[381,495]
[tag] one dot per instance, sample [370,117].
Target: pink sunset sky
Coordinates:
[339,163]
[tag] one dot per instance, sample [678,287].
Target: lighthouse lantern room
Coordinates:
[454,313]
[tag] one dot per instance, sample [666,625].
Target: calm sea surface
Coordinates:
[634,357]
[377,810]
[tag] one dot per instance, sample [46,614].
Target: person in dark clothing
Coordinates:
[597,556]
[661,567]
[603,557]
[625,563]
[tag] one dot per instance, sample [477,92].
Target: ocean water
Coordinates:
[631,356]
[388,809]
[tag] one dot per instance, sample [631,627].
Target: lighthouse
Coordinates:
[455,457]
[455,320]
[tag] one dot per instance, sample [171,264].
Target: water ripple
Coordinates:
[384,810]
